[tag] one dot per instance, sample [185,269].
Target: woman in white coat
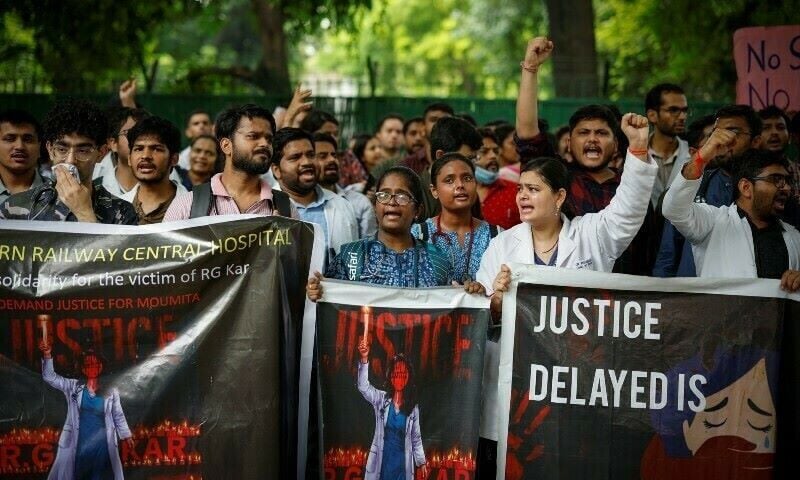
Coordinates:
[87,446]
[397,442]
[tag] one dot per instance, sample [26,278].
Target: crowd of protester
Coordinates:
[436,199]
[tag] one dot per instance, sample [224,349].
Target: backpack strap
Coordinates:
[282,203]
[492,230]
[423,231]
[201,200]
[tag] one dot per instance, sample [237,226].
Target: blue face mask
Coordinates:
[484,176]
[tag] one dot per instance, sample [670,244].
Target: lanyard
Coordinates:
[469,248]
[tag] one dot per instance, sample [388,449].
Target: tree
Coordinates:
[575,58]
[88,46]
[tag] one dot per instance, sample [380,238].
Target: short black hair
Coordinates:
[486,132]
[496,123]
[450,133]
[742,111]
[501,132]
[469,118]
[77,116]
[751,163]
[440,162]
[564,130]
[390,116]
[438,107]
[652,101]
[316,119]
[167,133]
[228,120]
[773,112]
[284,136]
[117,116]
[694,133]
[19,117]
[414,184]
[327,138]
[407,124]
[594,112]
[196,111]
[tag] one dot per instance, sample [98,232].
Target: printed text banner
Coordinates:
[615,376]
[168,351]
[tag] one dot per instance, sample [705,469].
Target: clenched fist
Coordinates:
[538,50]
[637,129]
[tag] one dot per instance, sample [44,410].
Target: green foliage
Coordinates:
[681,41]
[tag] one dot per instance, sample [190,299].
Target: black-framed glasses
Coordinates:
[675,111]
[777,179]
[400,198]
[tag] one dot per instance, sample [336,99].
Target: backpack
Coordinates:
[201,202]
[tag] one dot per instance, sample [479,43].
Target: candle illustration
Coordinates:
[43,320]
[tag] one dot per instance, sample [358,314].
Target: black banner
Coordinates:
[400,383]
[162,355]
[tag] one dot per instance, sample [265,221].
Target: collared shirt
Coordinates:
[5,193]
[222,203]
[42,203]
[769,247]
[668,168]
[314,212]
[370,261]
[157,214]
[587,195]
[465,258]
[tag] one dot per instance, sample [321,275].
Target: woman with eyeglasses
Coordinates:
[455,231]
[393,257]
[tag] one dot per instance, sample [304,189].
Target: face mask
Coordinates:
[484,176]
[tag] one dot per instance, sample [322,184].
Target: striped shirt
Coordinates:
[223,203]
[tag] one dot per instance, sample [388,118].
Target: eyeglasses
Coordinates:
[400,198]
[738,131]
[675,111]
[780,181]
[82,153]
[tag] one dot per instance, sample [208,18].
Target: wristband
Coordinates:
[699,161]
[636,153]
[529,68]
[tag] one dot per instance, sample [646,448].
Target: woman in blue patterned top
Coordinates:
[455,231]
[393,257]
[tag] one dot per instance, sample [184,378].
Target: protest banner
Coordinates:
[400,373]
[156,352]
[768,66]
[614,376]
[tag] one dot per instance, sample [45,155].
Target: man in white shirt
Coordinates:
[745,239]
[197,123]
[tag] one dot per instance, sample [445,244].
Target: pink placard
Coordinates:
[768,66]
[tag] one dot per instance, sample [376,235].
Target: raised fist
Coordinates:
[363,350]
[720,142]
[538,50]
[636,128]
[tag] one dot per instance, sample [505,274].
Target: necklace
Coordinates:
[549,249]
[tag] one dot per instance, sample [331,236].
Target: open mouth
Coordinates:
[492,166]
[592,152]
[146,168]
[524,209]
[461,197]
[308,173]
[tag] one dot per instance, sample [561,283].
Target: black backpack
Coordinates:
[201,202]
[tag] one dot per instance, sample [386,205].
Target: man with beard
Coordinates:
[328,169]
[745,239]
[295,169]
[414,135]
[155,144]
[245,135]
[667,111]
[498,197]
[20,140]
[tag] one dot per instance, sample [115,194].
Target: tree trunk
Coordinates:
[272,73]
[575,55]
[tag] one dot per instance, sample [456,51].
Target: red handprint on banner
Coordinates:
[522,445]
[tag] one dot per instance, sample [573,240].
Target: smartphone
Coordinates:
[70,168]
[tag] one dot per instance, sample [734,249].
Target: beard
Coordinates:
[246,163]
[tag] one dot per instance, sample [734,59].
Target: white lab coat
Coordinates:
[116,426]
[414,453]
[593,241]
[722,241]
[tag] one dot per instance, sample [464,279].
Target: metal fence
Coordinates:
[356,114]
